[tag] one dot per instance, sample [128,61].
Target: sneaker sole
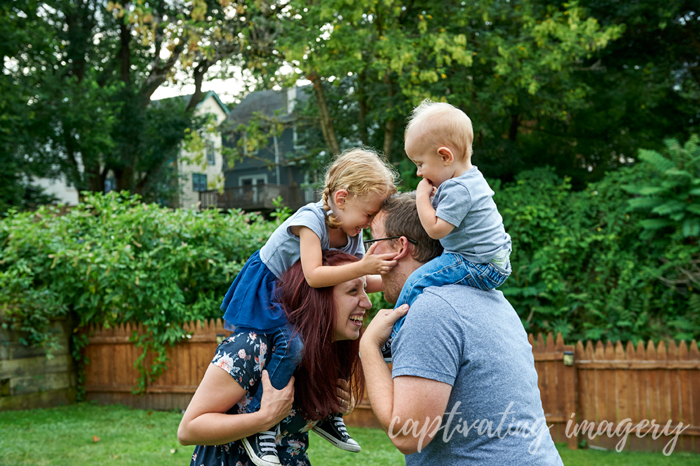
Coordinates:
[253,457]
[334,441]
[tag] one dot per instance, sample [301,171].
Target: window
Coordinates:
[211,153]
[199,182]
[110,184]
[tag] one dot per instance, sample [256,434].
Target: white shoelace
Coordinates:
[339,424]
[267,441]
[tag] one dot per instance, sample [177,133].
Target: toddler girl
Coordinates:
[356,184]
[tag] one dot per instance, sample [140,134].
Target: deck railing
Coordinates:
[250,198]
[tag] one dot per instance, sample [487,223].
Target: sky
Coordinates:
[229,90]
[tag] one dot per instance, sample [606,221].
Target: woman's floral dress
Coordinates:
[243,356]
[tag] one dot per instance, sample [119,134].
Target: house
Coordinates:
[195,178]
[253,181]
[59,188]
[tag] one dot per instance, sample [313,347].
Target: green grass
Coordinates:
[66,436]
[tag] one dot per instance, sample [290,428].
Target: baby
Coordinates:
[461,214]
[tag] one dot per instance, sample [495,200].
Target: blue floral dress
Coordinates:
[243,356]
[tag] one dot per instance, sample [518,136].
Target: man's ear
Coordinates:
[340,197]
[446,154]
[404,249]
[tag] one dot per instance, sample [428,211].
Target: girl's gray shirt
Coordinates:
[283,249]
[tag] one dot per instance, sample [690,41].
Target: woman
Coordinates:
[329,320]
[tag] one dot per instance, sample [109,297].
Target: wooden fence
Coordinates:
[584,387]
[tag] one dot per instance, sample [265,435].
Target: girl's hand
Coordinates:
[425,188]
[377,263]
[276,403]
[347,401]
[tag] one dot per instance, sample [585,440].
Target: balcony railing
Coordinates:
[258,197]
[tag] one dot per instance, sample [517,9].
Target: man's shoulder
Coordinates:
[449,292]
[459,299]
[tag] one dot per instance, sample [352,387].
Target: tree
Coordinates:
[18,27]
[89,71]
[644,87]
[509,65]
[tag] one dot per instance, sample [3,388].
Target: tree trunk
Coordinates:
[390,123]
[326,120]
[79,24]
[124,52]
[362,102]
[389,129]
[513,130]
[199,72]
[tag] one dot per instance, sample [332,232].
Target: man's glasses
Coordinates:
[370,241]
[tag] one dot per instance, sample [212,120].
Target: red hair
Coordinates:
[312,312]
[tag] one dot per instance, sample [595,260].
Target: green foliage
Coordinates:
[77,79]
[114,259]
[582,264]
[671,191]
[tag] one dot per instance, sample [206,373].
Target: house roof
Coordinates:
[267,102]
[186,100]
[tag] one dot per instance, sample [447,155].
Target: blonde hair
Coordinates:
[439,123]
[360,172]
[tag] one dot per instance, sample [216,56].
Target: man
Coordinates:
[463,387]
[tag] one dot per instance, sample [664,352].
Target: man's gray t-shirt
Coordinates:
[282,250]
[474,341]
[467,203]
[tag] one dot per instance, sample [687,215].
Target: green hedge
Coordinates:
[114,259]
[618,261]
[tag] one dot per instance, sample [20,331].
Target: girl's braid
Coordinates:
[331,219]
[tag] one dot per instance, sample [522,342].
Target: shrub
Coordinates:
[584,263]
[114,259]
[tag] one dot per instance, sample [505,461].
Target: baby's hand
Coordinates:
[377,263]
[425,188]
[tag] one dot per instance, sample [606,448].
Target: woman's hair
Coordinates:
[360,172]
[312,312]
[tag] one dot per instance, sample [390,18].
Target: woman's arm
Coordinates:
[318,275]
[205,421]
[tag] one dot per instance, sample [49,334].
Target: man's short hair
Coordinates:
[401,219]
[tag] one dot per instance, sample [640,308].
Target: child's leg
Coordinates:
[288,350]
[288,347]
[446,269]
[333,429]
[486,276]
[443,270]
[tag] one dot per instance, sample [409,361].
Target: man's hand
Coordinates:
[277,403]
[425,189]
[379,330]
[377,263]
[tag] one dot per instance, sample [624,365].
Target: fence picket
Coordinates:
[694,355]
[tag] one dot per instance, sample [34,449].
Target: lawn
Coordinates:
[85,434]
